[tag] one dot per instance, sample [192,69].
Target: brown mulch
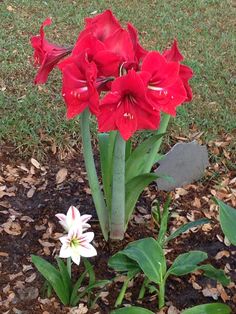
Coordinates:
[32,192]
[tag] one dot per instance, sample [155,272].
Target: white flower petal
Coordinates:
[87,237]
[72,216]
[75,256]
[64,239]
[87,250]
[85,226]
[65,251]
[85,218]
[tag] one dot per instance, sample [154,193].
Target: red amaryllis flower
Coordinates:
[139,51]
[107,62]
[185,72]
[79,85]
[126,108]
[46,54]
[101,26]
[165,88]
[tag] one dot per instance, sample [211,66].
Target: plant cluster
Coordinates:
[108,74]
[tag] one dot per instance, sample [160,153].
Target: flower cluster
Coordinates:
[109,72]
[76,243]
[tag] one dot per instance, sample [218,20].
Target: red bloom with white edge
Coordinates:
[165,89]
[185,72]
[126,107]
[79,85]
[46,55]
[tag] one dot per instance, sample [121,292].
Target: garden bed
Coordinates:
[30,196]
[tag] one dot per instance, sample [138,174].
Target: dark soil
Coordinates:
[35,219]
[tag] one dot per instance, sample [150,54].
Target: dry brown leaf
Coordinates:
[81,309]
[3,193]
[10,8]
[224,296]
[197,202]
[173,310]
[181,192]
[4,254]
[31,278]
[31,192]
[14,276]
[61,175]
[12,228]
[211,292]
[35,163]
[196,286]
[45,243]
[221,254]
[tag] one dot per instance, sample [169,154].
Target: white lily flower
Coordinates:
[76,244]
[73,219]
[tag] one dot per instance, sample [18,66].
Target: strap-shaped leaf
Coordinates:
[97,284]
[77,285]
[135,164]
[123,263]
[186,263]
[214,273]
[53,276]
[64,275]
[133,189]
[149,256]
[186,227]
[106,147]
[227,220]
[210,308]
[132,310]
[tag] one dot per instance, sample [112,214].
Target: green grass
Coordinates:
[33,118]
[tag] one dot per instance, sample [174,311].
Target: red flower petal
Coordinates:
[126,107]
[140,52]
[121,44]
[79,85]
[163,73]
[173,54]
[101,26]
[46,54]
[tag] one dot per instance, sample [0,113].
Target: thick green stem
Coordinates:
[68,265]
[97,194]
[118,191]
[143,288]
[122,292]
[161,296]
[162,129]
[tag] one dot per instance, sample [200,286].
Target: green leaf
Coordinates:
[227,220]
[133,189]
[121,262]
[211,308]
[89,267]
[149,256]
[186,227]
[128,149]
[106,147]
[53,276]
[132,310]
[100,283]
[77,285]
[186,263]
[64,275]
[136,162]
[214,273]
[164,222]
